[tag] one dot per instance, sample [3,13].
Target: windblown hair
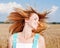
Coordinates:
[18,18]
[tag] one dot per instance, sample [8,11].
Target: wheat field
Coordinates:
[51,34]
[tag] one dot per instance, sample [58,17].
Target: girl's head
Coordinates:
[33,18]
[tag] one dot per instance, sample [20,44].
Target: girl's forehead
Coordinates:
[34,15]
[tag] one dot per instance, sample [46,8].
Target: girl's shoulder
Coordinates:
[41,37]
[14,35]
[41,42]
[11,37]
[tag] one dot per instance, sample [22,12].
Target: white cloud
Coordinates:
[54,9]
[8,7]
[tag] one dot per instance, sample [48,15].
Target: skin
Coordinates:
[26,36]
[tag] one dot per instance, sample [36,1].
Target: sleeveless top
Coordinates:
[25,45]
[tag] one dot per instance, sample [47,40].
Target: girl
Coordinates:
[26,29]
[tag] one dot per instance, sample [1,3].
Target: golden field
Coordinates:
[51,34]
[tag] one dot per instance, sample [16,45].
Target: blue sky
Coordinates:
[6,6]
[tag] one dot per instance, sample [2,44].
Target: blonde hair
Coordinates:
[18,18]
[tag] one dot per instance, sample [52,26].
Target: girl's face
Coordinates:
[33,21]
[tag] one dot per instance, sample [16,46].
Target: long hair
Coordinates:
[18,19]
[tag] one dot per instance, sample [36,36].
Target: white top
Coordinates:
[24,45]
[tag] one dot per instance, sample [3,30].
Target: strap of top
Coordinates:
[14,40]
[35,41]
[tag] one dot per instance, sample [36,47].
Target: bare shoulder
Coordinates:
[10,40]
[41,42]
[41,38]
[11,36]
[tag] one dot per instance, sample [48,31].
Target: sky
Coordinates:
[7,6]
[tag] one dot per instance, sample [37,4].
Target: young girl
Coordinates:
[26,29]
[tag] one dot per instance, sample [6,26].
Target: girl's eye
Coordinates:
[35,19]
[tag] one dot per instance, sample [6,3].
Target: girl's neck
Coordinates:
[27,31]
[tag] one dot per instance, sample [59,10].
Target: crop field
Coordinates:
[51,35]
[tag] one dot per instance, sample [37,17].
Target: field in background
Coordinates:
[51,34]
